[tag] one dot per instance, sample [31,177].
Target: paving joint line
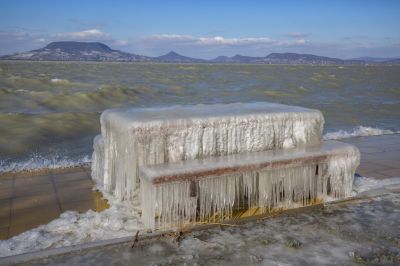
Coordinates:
[56,191]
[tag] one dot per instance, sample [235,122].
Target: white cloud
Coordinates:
[19,40]
[355,37]
[295,42]
[91,34]
[16,35]
[121,42]
[169,37]
[297,34]
[211,46]
[12,41]
[218,40]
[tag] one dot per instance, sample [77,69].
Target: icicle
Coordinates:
[217,197]
[340,171]
[172,205]
[98,159]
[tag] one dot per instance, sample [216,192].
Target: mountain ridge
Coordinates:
[178,58]
[77,51]
[100,52]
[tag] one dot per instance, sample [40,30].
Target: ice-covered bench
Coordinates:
[194,163]
[173,194]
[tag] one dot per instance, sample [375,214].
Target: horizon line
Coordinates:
[230,56]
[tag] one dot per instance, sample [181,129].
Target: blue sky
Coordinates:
[206,29]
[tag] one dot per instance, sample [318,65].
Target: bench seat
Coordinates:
[183,192]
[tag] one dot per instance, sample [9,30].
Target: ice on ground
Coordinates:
[365,232]
[121,219]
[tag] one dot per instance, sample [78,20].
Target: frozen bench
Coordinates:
[173,194]
[134,137]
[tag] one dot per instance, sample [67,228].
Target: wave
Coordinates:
[71,98]
[359,131]
[59,81]
[38,162]
[364,184]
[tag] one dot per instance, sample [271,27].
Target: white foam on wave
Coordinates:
[59,81]
[363,184]
[62,82]
[359,131]
[38,162]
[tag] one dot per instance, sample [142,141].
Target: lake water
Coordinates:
[49,111]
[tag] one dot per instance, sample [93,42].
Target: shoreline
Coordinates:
[369,64]
[24,169]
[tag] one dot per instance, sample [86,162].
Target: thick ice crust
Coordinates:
[180,115]
[272,159]
[281,179]
[146,136]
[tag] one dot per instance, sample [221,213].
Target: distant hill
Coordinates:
[77,51]
[236,59]
[284,58]
[96,51]
[177,58]
[293,58]
[374,59]
[392,62]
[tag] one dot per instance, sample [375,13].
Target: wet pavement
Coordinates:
[380,155]
[28,200]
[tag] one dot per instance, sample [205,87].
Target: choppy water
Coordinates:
[49,111]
